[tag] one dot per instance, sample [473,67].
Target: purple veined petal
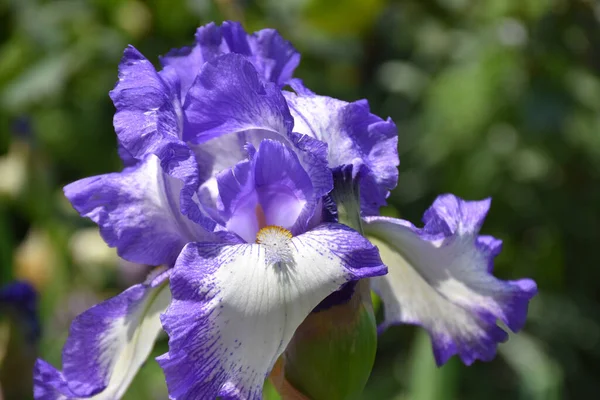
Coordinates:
[439,277]
[284,188]
[126,157]
[233,312]
[106,346]
[138,212]
[228,106]
[149,120]
[148,106]
[271,189]
[313,157]
[354,136]
[49,383]
[274,58]
[228,97]
[226,151]
[238,200]
[188,61]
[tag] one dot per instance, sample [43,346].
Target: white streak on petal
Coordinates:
[234,312]
[442,282]
[133,339]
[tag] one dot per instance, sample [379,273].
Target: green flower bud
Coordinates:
[332,352]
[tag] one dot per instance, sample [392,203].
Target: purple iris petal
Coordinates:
[138,212]
[238,200]
[270,189]
[285,190]
[49,383]
[149,120]
[439,278]
[228,107]
[20,299]
[107,344]
[228,96]
[273,57]
[354,136]
[148,108]
[233,312]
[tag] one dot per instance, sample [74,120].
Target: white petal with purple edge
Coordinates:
[354,137]
[106,347]
[439,277]
[138,212]
[233,312]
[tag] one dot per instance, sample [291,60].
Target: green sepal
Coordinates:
[346,196]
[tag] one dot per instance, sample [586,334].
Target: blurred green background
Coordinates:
[493,98]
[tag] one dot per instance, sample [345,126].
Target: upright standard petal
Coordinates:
[439,277]
[138,212]
[228,96]
[228,107]
[233,313]
[106,346]
[273,57]
[149,120]
[226,151]
[188,61]
[354,136]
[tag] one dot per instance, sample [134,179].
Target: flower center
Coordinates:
[276,241]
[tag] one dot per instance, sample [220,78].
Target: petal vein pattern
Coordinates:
[354,137]
[149,120]
[228,96]
[107,345]
[138,212]
[233,312]
[273,57]
[440,278]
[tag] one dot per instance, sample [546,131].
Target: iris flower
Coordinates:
[230,166]
[19,300]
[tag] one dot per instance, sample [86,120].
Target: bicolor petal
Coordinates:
[228,107]
[439,277]
[224,152]
[354,137]
[49,383]
[138,212]
[106,346]
[234,312]
[149,120]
